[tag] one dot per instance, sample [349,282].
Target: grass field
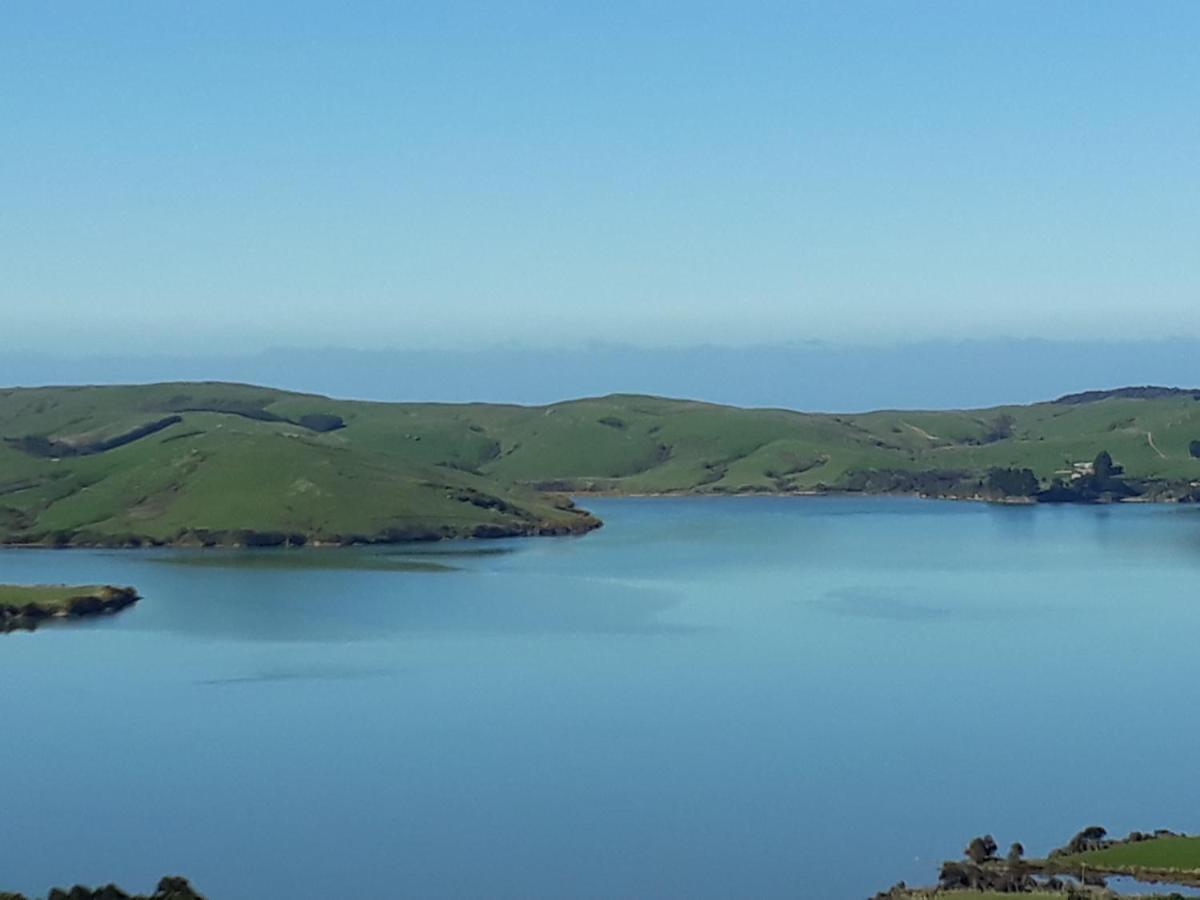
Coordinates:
[1160,853]
[226,463]
[47,596]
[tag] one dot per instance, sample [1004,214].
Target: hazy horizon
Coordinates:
[812,376]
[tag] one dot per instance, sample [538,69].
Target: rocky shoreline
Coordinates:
[248,537]
[27,615]
[1073,870]
[171,887]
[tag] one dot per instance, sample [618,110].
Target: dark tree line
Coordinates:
[1013,482]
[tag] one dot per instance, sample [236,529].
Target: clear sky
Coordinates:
[242,175]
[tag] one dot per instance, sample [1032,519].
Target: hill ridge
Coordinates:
[1139,392]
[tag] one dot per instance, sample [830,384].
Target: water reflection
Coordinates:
[1128,886]
[292,559]
[311,672]
[882,603]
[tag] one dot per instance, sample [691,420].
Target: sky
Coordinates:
[230,177]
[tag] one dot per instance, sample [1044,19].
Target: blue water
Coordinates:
[1128,886]
[708,698]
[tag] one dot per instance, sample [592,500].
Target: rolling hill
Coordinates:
[215,463]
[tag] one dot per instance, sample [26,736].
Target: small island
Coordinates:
[25,607]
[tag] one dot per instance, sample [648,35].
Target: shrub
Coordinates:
[999,429]
[1013,482]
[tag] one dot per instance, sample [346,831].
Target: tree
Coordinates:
[981,849]
[999,429]
[1012,482]
[1090,838]
[1105,480]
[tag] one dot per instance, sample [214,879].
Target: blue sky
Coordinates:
[236,176]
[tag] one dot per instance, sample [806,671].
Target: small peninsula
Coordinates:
[210,464]
[25,607]
[1079,869]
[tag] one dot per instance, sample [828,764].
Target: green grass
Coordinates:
[216,473]
[238,460]
[1159,853]
[47,596]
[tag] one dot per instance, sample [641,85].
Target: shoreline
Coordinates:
[250,539]
[1161,857]
[899,495]
[28,607]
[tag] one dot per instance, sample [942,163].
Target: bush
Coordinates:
[1013,482]
[999,429]
[1090,838]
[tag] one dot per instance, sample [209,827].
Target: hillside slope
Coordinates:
[216,463]
[229,464]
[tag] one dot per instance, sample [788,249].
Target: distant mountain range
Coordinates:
[231,464]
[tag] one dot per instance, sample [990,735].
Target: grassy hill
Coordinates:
[226,463]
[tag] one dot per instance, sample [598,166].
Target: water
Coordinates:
[1140,888]
[708,698]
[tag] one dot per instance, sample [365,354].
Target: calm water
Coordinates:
[708,698]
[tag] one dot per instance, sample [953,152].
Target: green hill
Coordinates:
[216,463]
